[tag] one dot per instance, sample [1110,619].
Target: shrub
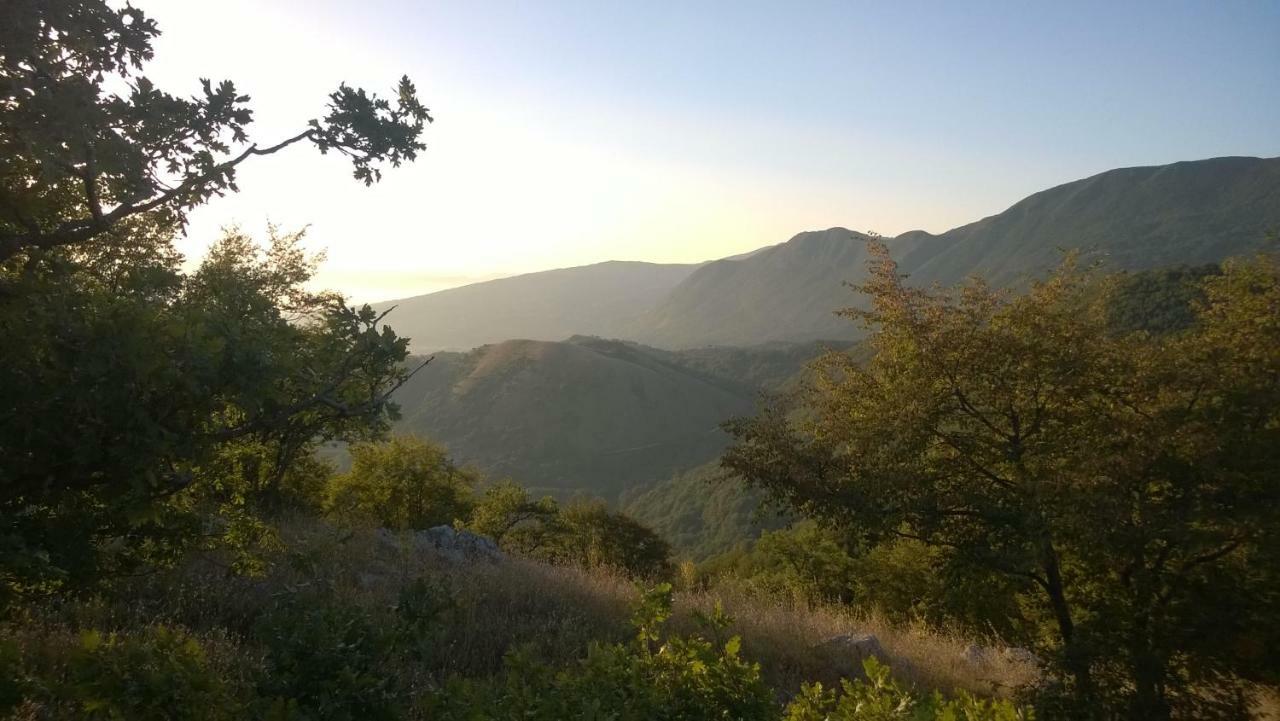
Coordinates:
[161,674]
[880,698]
[324,662]
[680,678]
[401,483]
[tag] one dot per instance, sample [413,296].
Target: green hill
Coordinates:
[588,414]
[565,417]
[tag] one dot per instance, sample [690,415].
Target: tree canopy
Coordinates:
[78,157]
[144,408]
[1128,481]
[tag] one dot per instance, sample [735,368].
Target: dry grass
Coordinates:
[1268,708]
[786,637]
[557,612]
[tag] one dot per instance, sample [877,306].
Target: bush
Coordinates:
[904,580]
[880,698]
[401,483]
[690,678]
[324,661]
[682,678]
[158,674]
[584,533]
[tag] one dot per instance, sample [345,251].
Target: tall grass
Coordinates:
[489,608]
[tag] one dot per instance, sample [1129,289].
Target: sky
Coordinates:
[575,132]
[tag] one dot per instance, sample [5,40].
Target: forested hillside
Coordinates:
[594,416]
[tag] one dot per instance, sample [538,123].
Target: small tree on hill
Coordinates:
[402,483]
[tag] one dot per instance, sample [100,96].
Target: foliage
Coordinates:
[703,512]
[651,677]
[879,697]
[665,676]
[159,407]
[153,673]
[1121,478]
[589,534]
[403,483]
[327,660]
[585,533]
[1158,301]
[505,513]
[144,409]
[77,157]
[903,580]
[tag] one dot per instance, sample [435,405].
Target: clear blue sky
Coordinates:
[573,132]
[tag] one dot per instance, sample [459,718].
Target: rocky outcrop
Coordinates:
[454,545]
[848,651]
[976,655]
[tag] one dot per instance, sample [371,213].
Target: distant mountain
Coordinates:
[551,305]
[784,293]
[1133,219]
[1186,213]
[588,415]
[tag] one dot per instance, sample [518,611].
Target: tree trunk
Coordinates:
[1074,659]
[1148,687]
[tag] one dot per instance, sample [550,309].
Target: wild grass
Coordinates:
[489,608]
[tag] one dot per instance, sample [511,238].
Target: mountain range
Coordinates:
[549,396]
[1132,218]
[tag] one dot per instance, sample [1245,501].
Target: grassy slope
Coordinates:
[496,607]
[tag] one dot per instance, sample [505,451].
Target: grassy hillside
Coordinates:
[1131,218]
[788,292]
[342,590]
[1191,212]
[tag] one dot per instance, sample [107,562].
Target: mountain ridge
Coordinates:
[1134,218]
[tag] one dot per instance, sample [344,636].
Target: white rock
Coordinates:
[858,647]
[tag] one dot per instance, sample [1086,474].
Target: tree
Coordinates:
[143,409]
[506,511]
[592,535]
[77,159]
[1127,481]
[582,532]
[402,483]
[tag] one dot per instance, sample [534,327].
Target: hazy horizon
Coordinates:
[576,133]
